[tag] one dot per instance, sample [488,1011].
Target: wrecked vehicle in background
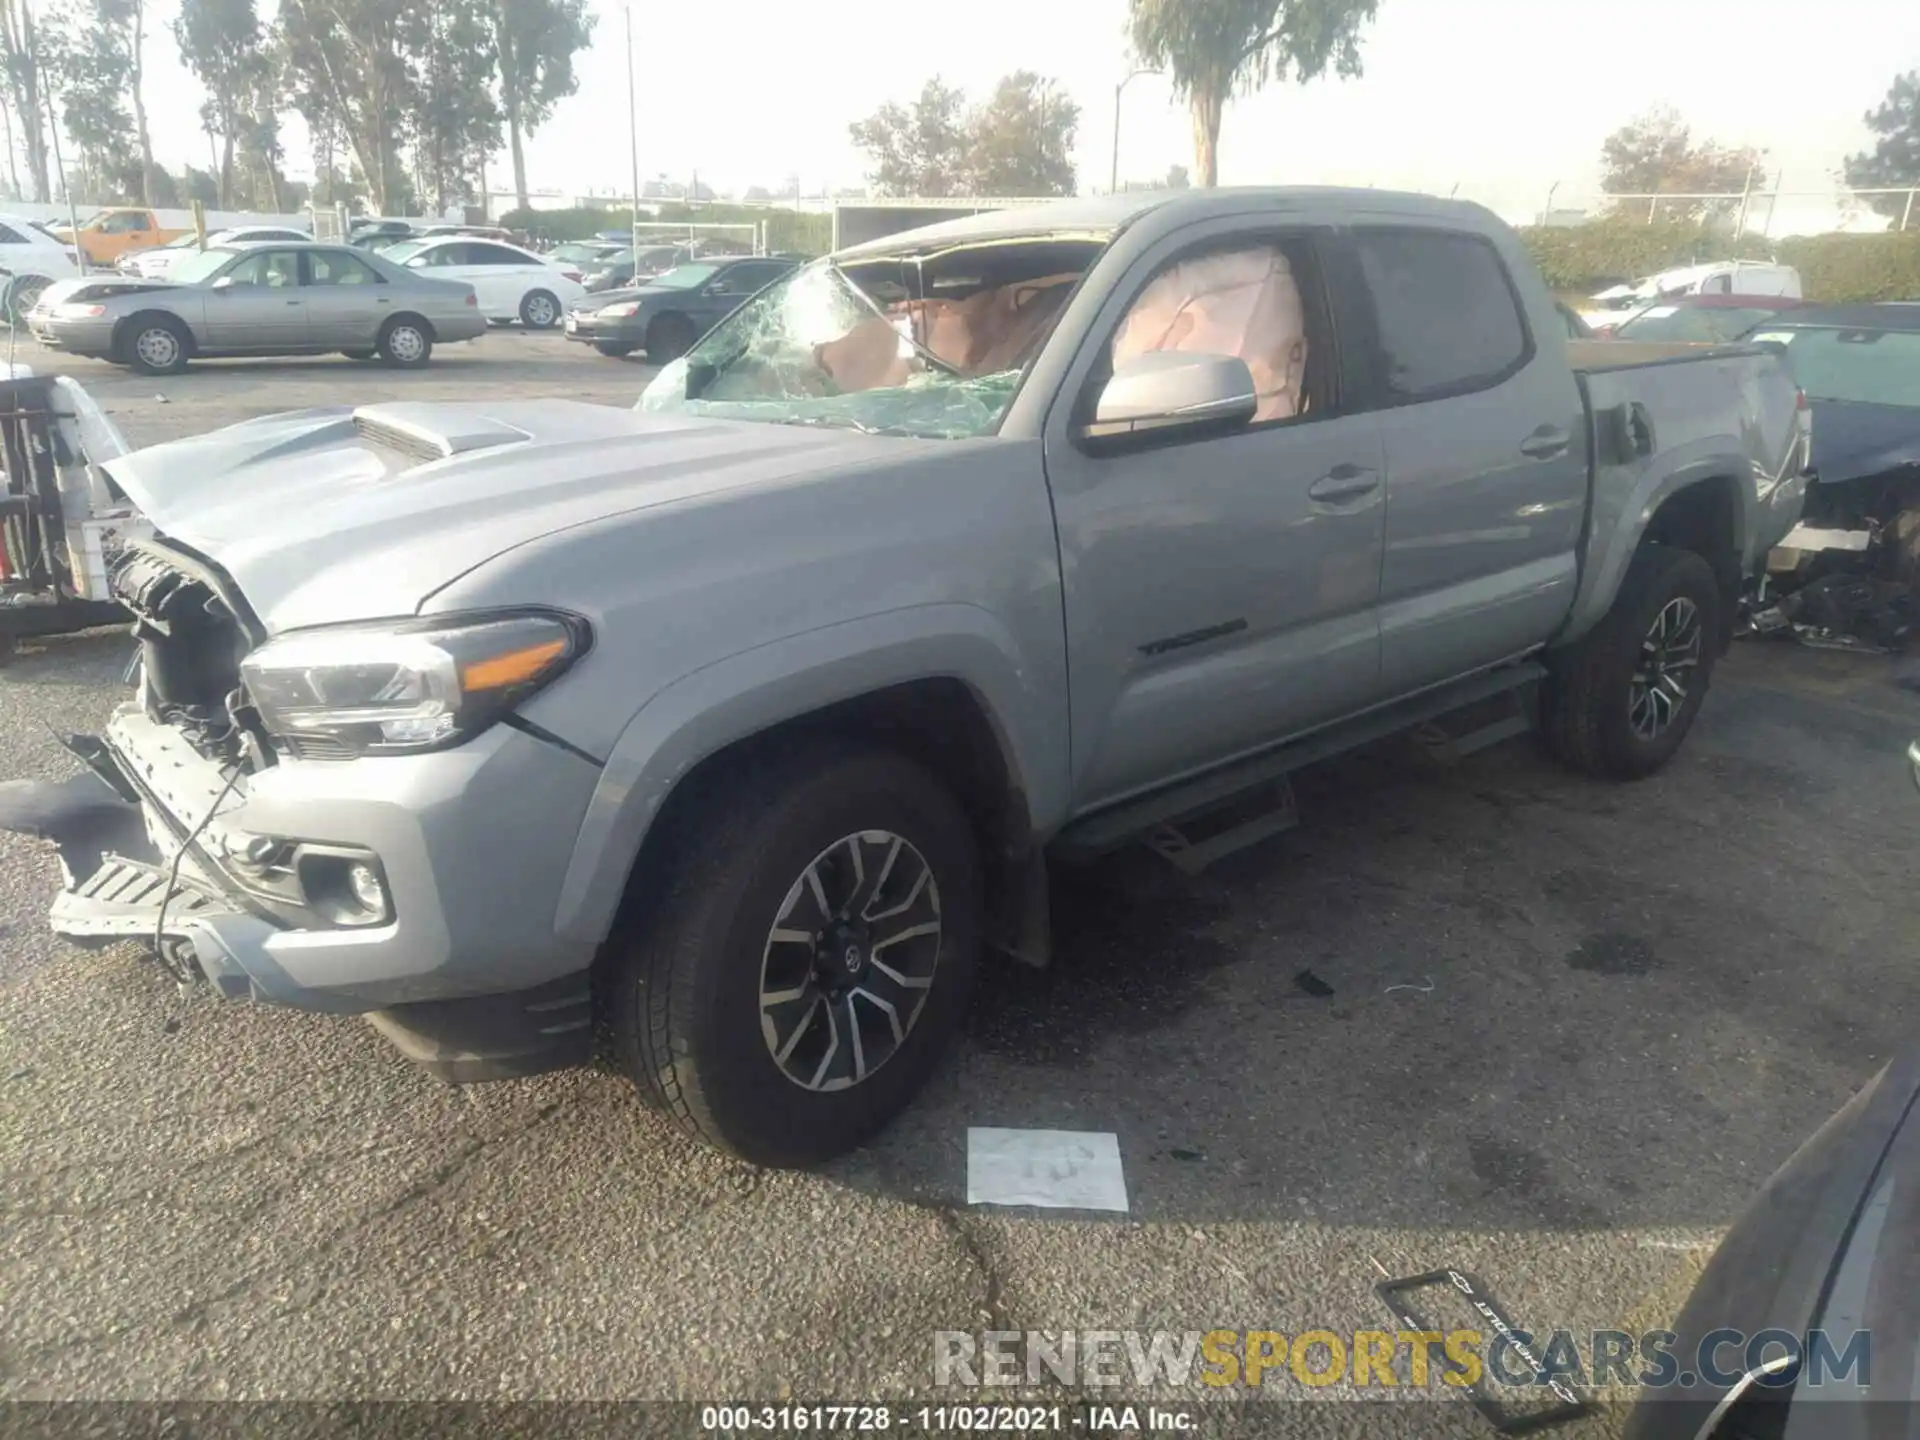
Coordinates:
[1848,576]
[62,521]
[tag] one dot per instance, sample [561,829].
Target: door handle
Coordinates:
[1545,443]
[1343,482]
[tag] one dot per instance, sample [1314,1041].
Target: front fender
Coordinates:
[758,689]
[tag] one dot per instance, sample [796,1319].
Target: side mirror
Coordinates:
[1168,392]
[225,282]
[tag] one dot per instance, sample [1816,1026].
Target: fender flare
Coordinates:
[757,690]
[1616,530]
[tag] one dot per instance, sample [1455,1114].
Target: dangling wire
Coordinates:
[180,975]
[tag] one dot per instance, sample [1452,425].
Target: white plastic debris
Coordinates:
[1057,1169]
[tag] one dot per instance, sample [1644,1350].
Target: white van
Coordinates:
[1620,303]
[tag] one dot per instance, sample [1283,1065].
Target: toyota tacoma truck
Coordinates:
[734,727]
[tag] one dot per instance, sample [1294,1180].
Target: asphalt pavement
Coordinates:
[1555,1031]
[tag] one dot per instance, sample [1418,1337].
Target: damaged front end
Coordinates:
[145,849]
[1847,577]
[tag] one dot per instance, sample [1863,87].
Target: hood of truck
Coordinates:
[331,515]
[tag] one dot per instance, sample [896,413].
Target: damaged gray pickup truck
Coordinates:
[737,725]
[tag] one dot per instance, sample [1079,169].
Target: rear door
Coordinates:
[347,299]
[1485,452]
[453,260]
[508,274]
[261,307]
[1220,589]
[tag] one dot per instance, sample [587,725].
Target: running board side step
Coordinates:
[1202,820]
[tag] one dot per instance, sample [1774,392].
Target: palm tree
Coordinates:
[1212,48]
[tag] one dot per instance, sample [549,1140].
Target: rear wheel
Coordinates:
[613,351]
[539,310]
[1622,699]
[156,344]
[405,343]
[670,337]
[811,952]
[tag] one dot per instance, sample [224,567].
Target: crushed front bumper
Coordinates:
[465,974]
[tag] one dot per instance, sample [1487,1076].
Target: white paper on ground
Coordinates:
[1060,1169]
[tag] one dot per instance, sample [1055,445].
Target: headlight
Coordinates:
[622,310]
[408,686]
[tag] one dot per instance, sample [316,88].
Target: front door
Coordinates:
[261,306]
[1220,591]
[346,299]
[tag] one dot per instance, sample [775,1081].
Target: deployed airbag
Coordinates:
[1240,302]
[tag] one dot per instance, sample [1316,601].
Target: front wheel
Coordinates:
[670,337]
[811,952]
[405,343]
[156,345]
[1621,699]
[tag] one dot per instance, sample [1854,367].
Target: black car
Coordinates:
[1806,1323]
[1860,368]
[619,268]
[671,311]
[370,234]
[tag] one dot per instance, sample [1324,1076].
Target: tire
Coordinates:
[156,344]
[406,343]
[22,292]
[361,354]
[613,351]
[670,337]
[1601,713]
[539,310]
[687,979]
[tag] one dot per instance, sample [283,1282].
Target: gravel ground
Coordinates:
[1628,1004]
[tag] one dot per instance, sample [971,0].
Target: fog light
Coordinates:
[366,887]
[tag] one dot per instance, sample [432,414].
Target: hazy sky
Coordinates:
[1501,97]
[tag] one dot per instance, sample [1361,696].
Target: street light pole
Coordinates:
[633,131]
[1118,91]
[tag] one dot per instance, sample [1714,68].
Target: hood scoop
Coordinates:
[431,432]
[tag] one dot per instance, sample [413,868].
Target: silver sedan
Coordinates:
[270,298]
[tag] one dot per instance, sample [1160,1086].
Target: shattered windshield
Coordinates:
[924,345]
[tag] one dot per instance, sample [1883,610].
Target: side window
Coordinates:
[483,254]
[1448,319]
[1258,299]
[1717,285]
[337,267]
[275,269]
[440,257]
[741,279]
[10,236]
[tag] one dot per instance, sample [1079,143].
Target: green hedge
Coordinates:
[804,233]
[1835,269]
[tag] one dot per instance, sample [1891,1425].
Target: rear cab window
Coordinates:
[1446,315]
